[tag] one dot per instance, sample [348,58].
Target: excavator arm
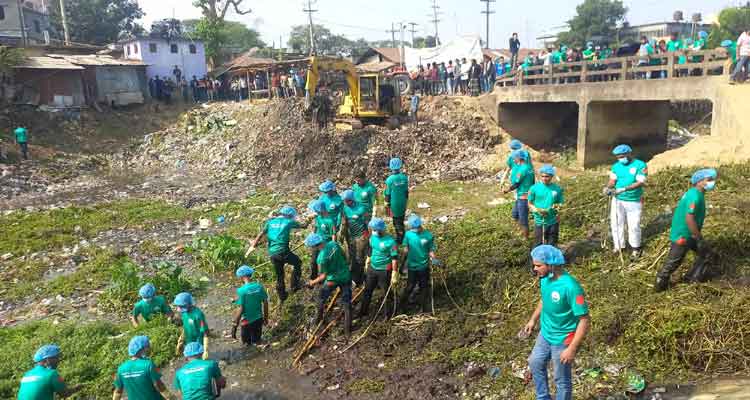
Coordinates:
[320,64]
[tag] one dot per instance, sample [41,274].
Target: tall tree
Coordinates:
[211,27]
[593,18]
[231,37]
[214,10]
[731,23]
[97,21]
[326,42]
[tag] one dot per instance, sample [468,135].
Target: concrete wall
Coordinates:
[119,82]
[540,124]
[163,61]
[10,26]
[641,124]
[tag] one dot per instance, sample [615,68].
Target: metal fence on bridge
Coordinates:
[656,66]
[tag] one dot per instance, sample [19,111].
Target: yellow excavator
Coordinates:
[371,99]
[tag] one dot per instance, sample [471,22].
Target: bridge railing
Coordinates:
[671,65]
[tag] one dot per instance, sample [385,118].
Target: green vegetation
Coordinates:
[91,352]
[217,253]
[732,22]
[364,386]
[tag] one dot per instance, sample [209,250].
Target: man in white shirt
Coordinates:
[743,56]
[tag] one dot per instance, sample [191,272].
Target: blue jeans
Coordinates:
[520,212]
[540,357]
[742,62]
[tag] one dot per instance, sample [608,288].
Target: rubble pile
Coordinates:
[37,177]
[272,143]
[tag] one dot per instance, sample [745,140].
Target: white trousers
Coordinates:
[626,212]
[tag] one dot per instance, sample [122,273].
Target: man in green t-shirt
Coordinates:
[521,180]
[627,177]
[420,256]
[252,307]
[334,272]
[198,379]
[674,45]
[354,227]
[278,230]
[383,263]
[564,316]
[545,198]
[397,196]
[149,305]
[516,144]
[23,141]
[325,227]
[365,192]
[139,377]
[43,382]
[194,325]
[685,235]
[331,201]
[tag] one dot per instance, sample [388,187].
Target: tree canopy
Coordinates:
[326,42]
[593,18]
[97,22]
[731,23]
[223,38]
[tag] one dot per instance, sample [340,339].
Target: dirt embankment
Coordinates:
[272,143]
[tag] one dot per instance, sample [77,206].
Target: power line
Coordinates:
[487,13]
[393,34]
[309,10]
[413,30]
[435,7]
[364,28]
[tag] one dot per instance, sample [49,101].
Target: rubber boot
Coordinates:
[319,315]
[661,284]
[347,320]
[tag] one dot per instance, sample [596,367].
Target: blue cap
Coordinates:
[192,349]
[377,224]
[137,343]
[516,144]
[414,221]
[726,43]
[313,240]
[288,211]
[547,169]
[147,291]
[327,186]
[348,195]
[622,149]
[590,44]
[702,174]
[702,34]
[244,270]
[518,155]
[547,254]
[317,206]
[395,164]
[183,299]
[46,351]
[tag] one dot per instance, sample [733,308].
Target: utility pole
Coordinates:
[22,20]
[487,13]
[64,23]
[393,34]
[413,30]
[435,20]
[309,10]
[403,51]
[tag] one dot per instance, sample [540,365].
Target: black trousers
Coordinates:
[314,262]
[359,248]
[252,332]
[678,252]
[376,279]
[398,225]
[279,261]
[546,234]
[416,279]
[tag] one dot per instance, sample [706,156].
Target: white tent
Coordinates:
[468,47]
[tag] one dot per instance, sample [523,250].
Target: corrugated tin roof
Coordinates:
[98,60]
[392,54]
[47,63]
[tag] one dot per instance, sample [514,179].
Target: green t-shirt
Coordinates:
[384,249]
[148,308]
[21,135]
[523,175]
[278,230]
[419,246]
[627,174]
[732,49]
[251,297]
[325,227]
[692,202]
[588,54]
[194,325]
[546,196]
[563,303]
[365,195]
[40,383]
[698,45]
[397,189]
[332,262]
[333,205]
[356,219]
[675,45]
[526,154]
[138,378]
[194,379]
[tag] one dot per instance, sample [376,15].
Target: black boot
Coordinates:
[319,315]
[348,319]
[661,284]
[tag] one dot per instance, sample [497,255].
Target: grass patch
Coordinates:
[91,352]
[366,385]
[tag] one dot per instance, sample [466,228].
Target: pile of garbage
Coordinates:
[272,143]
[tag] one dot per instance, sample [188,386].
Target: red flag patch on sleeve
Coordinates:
[692,206]
[580,300]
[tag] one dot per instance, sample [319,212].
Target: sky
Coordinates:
[372,19]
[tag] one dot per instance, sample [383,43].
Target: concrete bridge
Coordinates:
[603,108]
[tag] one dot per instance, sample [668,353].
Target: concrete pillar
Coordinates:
[641,124]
